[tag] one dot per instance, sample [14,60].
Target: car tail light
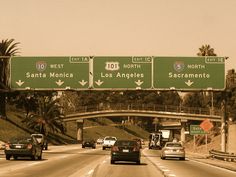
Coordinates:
[114,148]
[136,148]
[181,150]
[29,146]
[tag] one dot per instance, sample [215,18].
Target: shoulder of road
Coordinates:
[205,158]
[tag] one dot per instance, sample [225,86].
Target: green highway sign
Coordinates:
[189,73]
[45,73]
[196,130]
[119,73]
[122,72]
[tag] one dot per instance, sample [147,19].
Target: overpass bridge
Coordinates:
[183,114]
[144,110]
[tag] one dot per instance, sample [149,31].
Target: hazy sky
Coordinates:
[120,27]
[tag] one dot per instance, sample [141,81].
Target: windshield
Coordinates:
[111,138]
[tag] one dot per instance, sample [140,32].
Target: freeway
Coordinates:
[73,161]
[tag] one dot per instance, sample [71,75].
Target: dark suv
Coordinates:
[89,143]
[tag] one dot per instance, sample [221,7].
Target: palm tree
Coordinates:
[48,116]
[206,50]
[8,48]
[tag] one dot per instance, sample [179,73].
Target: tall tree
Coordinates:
[47,117]
[206,50]
[8,47]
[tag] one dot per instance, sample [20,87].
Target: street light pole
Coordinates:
[223,123]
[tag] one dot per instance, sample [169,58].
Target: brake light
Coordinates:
[29,146]
[114,148]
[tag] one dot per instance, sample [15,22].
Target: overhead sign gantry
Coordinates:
[118,73]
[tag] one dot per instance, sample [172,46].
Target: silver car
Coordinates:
[173,150]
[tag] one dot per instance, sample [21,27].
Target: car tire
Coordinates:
[182,158]
[33,157]
[103,148]
[112,161]
[15,157]
[8,157]
[82,146]
[138,162]
[40,157]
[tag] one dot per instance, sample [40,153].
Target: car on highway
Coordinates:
[26,146]
[89,143]
[125,150]
[173,150]
[41,139]
[100,140]
[108,142]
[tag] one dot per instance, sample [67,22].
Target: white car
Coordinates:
[108,142]
[99,140]
[173,150]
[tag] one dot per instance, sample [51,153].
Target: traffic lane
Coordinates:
[64,149]
[184,168]
[127,169]
[60,164]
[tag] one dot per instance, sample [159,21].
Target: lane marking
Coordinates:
[91,171]
[214,166]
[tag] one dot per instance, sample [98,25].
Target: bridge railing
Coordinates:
[148,107]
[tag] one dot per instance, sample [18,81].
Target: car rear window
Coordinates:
[125,143]
[173,145]
[110,138]
[21,140]
[37,136]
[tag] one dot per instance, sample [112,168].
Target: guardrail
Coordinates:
[222,155]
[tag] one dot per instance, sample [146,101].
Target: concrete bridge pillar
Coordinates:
[80,124]
[182,132]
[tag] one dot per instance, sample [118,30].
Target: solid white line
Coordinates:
[217,167]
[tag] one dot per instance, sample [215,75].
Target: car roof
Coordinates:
[126,140]
[110,137]
[37,134]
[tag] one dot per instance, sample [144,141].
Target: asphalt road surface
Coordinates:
[73,161]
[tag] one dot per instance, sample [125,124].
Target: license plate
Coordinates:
[125,150]
[18,146]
